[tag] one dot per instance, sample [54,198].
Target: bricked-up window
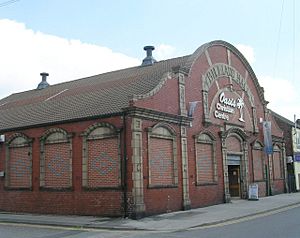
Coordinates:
[206,166]
[101,165]
[277,163]
[162,156]
[19,162]
[233,144]
[56,160]
[258,165]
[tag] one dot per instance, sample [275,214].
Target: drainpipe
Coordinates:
[125,166]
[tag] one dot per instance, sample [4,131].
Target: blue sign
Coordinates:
[268,137]
[297,157]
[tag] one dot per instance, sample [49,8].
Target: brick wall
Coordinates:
[58,170]
[161,163]
[205,169]
[77,200]
[258,167]
[277,167]
[287,131]
[164,196]
[103,163]
[19,167]
[233,144]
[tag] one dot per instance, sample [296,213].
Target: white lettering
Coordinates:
[221,115]
[223,108]
[227,101]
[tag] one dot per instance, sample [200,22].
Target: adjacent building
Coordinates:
[292,148]
[163,136]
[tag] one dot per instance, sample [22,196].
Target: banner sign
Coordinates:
[267,137]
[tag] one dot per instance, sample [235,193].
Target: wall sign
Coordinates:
[224,70]
[227,106]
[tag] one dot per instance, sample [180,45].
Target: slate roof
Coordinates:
[99,95]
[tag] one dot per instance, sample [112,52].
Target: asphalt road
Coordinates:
[279,225]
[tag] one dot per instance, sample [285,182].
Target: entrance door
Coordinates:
[234,180]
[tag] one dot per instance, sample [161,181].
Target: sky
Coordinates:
[71,39]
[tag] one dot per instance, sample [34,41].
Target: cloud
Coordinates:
[247,51]
[26,53]
[164,51]
[282,96]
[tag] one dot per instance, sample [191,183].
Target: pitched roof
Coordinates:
[94,96]
[285,120]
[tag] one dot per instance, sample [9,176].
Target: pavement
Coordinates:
[175,221]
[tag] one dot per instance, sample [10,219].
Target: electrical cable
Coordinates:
[4,4]
[278,39]
[294,40]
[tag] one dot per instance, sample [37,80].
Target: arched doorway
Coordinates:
[235,163]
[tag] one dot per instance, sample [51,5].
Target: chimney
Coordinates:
[44,83]
[149,60]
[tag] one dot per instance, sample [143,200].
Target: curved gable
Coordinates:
[222,79]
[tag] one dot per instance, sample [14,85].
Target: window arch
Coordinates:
[56,159]
[206,165]
[101,163]
[162,156]
[258,161]
[233,144]
[19,162]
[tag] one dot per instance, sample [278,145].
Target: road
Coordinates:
[278,225]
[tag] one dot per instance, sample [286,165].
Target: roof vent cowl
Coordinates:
[44,83]
[149,60]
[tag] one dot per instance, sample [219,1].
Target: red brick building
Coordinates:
[160,137]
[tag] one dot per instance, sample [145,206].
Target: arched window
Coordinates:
[257,160]
[162,156]
[56,160]
[277,163]
[19,162]
[101,164]
[206,166]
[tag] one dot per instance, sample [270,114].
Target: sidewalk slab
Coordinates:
[174,221]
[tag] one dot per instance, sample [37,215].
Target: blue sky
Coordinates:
[77,38]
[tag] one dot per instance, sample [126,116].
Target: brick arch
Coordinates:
[207,133]
[93,127]
[14,136]
[235,131]
[165,126]
[56,159]
[18,162]
[65,135]
[101,157]
[257,144]
[202,49]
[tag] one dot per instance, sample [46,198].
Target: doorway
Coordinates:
[234,181]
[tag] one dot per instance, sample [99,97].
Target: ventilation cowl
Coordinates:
[44,83]
[149,60]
